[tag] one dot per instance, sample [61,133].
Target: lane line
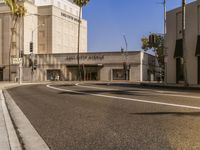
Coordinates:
[162,93]
[128,99]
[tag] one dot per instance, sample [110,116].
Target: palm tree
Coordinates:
[17,11]
[80,3]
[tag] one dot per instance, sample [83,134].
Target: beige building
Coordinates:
[175,69]
[51,25]
[99,66]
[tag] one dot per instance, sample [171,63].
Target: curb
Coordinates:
[12,135]
[28,136]
[181,87]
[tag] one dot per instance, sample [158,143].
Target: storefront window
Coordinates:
[53,75]
[119,74]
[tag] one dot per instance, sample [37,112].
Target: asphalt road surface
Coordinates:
[112,117]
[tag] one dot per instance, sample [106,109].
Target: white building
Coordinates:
[175,53]
[52,26]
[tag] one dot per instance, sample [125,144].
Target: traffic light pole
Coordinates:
[31,51]
[165,49]
[126,58]
[184,42]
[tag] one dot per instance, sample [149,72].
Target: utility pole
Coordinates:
[126,57]
[184,41]
[165,49]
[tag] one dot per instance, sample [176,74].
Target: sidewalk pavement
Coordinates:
[9,139]
[5,123]
[6,127]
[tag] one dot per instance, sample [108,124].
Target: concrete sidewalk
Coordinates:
[8,137]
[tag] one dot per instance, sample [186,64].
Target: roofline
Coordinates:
[179,8]
[110,52]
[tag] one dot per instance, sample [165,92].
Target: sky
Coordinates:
[110,20]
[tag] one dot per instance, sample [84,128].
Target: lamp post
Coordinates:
[31,51]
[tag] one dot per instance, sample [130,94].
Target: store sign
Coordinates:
[85,58]
[68,16]
[16,61]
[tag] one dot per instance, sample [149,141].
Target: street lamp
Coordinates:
[20,56]
[31,50]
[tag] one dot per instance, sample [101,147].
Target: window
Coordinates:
[119,74]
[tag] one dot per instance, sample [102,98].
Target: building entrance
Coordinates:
[1,74]
[179,70]
[88,73]
[53,75]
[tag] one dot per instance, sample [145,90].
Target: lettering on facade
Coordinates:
[85,58]
[68,16]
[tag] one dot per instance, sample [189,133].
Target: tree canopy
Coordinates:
[16,8]
[157,46]
[81,3]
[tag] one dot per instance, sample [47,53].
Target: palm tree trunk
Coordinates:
[78,46]
[13,22]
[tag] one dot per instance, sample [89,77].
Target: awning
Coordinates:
[179,48]
[86,65]
[198,46]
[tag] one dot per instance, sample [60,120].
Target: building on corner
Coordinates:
[174,45]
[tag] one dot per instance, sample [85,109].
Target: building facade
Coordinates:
[52,27]
[135,66]
[174,45]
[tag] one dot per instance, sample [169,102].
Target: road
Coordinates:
[111,117]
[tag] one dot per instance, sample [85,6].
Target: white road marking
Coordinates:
[128,99]
[153,92]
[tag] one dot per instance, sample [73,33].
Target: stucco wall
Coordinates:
[192,23]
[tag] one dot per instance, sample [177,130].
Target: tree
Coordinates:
[80,3]
[17,11]
[155,42]
[157,45]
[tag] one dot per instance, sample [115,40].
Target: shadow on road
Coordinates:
[116,92]
[195,114]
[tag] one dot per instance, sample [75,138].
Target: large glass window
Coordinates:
[53,75]
[119,74]
[1,74]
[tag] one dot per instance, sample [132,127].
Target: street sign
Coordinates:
[16,61]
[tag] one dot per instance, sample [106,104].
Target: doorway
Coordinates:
[1,74]
[179,70]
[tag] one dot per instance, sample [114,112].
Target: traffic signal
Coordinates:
[35,64]
[31,47]
[30,62]
[152,39]
[21,53]
[125,66]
